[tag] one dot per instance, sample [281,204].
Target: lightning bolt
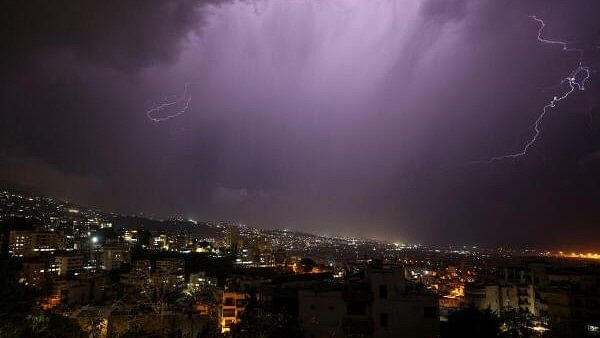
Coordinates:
[176,107]
[575,80]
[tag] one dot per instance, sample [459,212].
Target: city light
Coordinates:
[588,255]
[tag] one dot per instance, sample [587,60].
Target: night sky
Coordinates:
[364,117]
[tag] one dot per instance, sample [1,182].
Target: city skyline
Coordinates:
[91,272]
[17,204]
[376,119]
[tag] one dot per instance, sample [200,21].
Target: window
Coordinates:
[383,291]
[312,306]
[430,312]
[383,320]
[356,308]
[228,301]
[228,312]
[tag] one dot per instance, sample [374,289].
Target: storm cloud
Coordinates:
[340,116]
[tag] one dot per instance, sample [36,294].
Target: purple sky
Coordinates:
[343,116]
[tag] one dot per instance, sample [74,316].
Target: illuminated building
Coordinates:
[280,258]
[105,225]
[81,290]
[199,280]
[47,241]
[513,290]
[20,243]
[233,305]
[69,264]
[245,256]
[449,303]
[381,304]
[570,296]
[33,274]
[159,242]
[500,298]
[113,257]
[169,274]
[30,243]
[567,295]
[232,237]
[130,236]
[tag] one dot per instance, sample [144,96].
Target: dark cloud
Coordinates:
[36,175]
[124,34]
[346,116]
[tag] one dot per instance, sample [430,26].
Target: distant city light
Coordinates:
[588,255]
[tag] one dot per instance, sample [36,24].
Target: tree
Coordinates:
[514,324]
[261,323]
[471,323]
[21,317]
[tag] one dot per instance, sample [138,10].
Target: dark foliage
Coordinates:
[471,322]
[21,317]
[257,322]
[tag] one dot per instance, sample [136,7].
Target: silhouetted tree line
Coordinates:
[474,323]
